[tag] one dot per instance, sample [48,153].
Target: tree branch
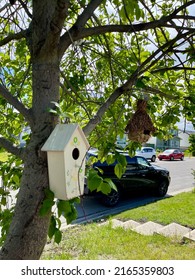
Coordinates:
[82,19]
[175,68]
[61,11]
[75,34]
[159,92]
[87,13]
[4,7]
[128,85]
[184,6]
[76,99]
[8,146]
[25,8]
[86,32]
[11,37]
[113,97]
[17,105]
[166,48]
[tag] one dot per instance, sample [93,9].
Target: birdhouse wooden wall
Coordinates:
[66,149]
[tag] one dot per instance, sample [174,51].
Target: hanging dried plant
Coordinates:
[140,126]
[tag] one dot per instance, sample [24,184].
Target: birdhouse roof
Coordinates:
[61,136]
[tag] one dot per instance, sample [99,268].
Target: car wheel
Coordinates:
[182,158]
[153,158]
[111,199]
[162,189]
[171,158]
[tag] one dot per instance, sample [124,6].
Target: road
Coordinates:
[181,180]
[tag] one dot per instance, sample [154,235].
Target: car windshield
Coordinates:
[143,161]
[168,151]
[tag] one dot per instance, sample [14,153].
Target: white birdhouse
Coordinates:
[66,149]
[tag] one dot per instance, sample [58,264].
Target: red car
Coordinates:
[171,154]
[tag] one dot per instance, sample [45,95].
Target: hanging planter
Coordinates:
[140,126]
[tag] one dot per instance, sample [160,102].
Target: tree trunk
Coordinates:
[28,231]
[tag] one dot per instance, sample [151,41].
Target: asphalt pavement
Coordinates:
[180,172]
[182,180]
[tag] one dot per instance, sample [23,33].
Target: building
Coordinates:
[178,140]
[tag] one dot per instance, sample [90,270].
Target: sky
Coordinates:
[188,127]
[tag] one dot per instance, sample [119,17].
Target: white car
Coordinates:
[147,152]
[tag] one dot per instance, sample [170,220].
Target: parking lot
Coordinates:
[181,173]
[181,180]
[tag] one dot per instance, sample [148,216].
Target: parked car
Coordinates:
[147,152]
[171,154]
[140,176]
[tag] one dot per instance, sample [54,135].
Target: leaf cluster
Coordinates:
[10,175]
[192,143]
[58,209]
[11,172]
[96,180]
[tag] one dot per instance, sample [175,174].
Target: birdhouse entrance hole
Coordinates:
[75,153]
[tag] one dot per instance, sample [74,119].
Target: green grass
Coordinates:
[179,209]
[94,242]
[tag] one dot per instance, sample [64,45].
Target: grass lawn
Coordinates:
[179,209]
[94,242]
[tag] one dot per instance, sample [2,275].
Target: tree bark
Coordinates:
[28,231]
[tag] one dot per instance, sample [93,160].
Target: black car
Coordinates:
[140,176]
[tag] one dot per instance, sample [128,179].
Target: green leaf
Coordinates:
[52,227]
[59,222]
[71,216]
[140,84]
[122,160]
[133,146]
[56,104]
[46,207]
[52,111]
[4,192]
[49,194]
[3,201]
[93,180]
[75,200]
[63,207]
[119,170]
[16,179]
[57,236]
[110,183]
[67,209]
[110,159]
[104,188]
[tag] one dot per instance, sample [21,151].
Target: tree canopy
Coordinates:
[85,61]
